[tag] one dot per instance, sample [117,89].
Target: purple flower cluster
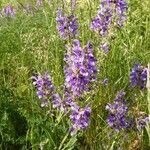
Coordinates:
[66,25]
[103,19]
[118,113]
[8,11]
[80,118]
[45,92]
[121,8]
[80,69]
[62,104]
[138,76]
[109,12]
[44,87]
[105,81]
[73,5]
[57,102]
[80,72]
[105,48]
[142,121]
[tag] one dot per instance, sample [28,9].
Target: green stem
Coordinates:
[63,141]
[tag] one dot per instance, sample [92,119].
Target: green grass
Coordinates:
[31,44]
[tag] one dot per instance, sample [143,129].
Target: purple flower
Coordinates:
[121,8]
[56,100]
[120,96]
[105,48]
[8,11]
[105,81]
[66,25]
[80,118]
[138,76]
[59,103]
[117,118]
[109,13]
[62,104]
[80,72]
[44,87]
[103,19]
[142,121]
[73,5]
[80,69]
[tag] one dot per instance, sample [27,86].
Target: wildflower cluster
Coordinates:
[103,19]
[105,47]
[120,9]
[80,118]
[117,118]
[140,118]
[105,81]
[57,102]
[73,5]
[110,12]
[66,25]
[7,11]
[63,104]
[142,121]
[80,69]
[45,92]
[45,88]
[138,76]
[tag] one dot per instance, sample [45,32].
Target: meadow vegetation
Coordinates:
[31,45]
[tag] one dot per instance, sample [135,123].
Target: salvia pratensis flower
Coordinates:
[8,11]
[121,8]
[142,121]
[102,21]
[44,87]
[120,96]
[105,81]
[73,5]
[67,25]
[117,118]
[80,118]
[80,69]
[105,48]
[63,105]
[138,76]
[110,12]
[59,103]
